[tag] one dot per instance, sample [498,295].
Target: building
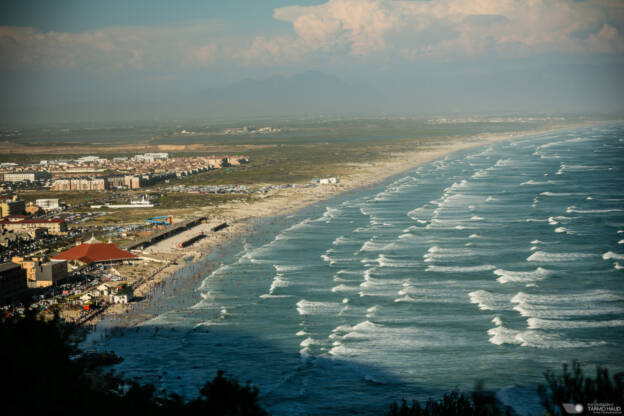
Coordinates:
[94,251]
[48,204]
[12,282]
[21,224]
[151,157]
[132,182]
[40,273]
[26,176]
[80,184]
[12,206]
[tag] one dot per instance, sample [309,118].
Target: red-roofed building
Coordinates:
[95,252]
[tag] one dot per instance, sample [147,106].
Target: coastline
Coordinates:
[241,215]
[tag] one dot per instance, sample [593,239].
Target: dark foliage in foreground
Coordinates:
[44,373]
[43,376]
[479,403]
[572,386]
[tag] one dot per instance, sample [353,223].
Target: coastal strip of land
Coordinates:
[241,215]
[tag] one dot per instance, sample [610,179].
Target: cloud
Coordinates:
[355,30]
[114,48]
[471,27]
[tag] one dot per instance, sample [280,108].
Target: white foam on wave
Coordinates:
[564,306]
[540,323]
[532,182]
[406,299]
[564,230]
[385,261]
[477,218]
[561,194]
[534,338]
[552,221]
[610,255]
[460,269]
[340,276]
[282,268]
[271,296]
[487,301]
[278,281]
[577,168]
[345,288]
[621,242]
[572,208]
[437,253]
[342,240]
[329,214]
[371,245]
[474,236]
[557,312]
[617,266]
[545,257]
[507,276]
[598,295]
[306,307]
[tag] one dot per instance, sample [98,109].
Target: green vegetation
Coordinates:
[479,403]
[572,386]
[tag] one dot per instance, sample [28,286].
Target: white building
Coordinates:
[118,298]
[91,159]
[26,176]
[48,204]
[151,157]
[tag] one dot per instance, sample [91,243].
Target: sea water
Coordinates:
[491,264]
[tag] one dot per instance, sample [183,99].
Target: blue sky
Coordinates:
[515,55]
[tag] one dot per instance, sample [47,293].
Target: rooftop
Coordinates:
[93,253]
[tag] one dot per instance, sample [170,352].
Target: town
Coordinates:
[58,258]
[48,254]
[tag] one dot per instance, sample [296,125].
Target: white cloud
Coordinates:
[472,26]
[357,30]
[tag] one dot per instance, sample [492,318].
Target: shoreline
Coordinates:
[289,201]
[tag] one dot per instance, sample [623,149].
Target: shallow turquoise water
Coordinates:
[495,263]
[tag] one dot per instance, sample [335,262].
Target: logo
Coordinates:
[592,408]
[573,409]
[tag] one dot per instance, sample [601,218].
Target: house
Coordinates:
[118,299]
[86,298]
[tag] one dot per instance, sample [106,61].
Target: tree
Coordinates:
[573,387]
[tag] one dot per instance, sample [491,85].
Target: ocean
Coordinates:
[494,264]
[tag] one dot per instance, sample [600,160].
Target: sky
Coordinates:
[87,60]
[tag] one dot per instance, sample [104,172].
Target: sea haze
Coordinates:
[495,263]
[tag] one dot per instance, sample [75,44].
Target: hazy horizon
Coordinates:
[88,61]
